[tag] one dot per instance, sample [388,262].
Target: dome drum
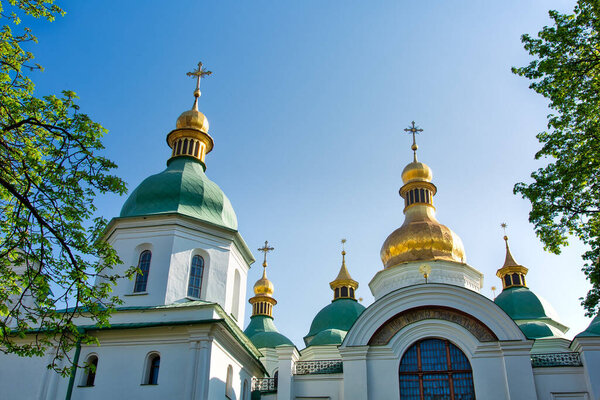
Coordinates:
[190,142]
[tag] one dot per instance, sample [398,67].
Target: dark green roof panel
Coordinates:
[182,188]
[340,314]
[328,337]
[521,303]
[593,329]
[262,333]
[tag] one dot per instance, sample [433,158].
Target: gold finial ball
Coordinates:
[192,119]
[264,287]
[343,252]
[417,171]
[505,237]
[414,147]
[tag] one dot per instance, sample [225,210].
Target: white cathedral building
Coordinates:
[429,334]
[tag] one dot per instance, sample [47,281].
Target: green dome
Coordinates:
[262,333]
[339,315]
[328,336]
[522,303]
[539,329]
[593,329]
[182,188]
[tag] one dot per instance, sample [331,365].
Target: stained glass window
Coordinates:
[196,271]
[141,279]
[435,369]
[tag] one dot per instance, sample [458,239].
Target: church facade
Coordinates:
[429,334]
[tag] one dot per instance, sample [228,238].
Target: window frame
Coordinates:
[149,379]
[190,276]
[448,373]
[85,379]
[140,284]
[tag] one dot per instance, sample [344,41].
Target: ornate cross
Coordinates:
[504,225]
[198,73]
[414,130]
[265,249]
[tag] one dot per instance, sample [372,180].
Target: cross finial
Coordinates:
[265,249]
[198,73]
[504,225]
[414,129]
[343,241]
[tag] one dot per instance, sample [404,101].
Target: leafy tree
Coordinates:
[565,194]
[50,173]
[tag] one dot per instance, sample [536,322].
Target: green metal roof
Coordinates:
[185,189]
[340,315]
[262,333]
[539,329]
[593,329]
[522,303]
[327,337]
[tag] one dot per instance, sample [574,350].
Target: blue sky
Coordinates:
[307,105]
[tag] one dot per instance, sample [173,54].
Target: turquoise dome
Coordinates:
[593,329]
[539,329]
[182,188]
[521,303]
[534,316]
[328,336]
[339,315]
[262,333]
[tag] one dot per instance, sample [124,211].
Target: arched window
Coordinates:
[245,390]
[153,368]
[344,291]
[229,383]
[435,369]
[141,279]
[91,366]
[507,280]
[197,149]
[235,298]
[178,147]
[276,378]
[195,281]
[516,279]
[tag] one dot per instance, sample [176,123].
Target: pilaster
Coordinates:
[287,355]
[355,372]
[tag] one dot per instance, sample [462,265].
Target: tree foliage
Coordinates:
[50,173]
[565,194]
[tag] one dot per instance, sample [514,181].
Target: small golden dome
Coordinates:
[193,119]
[422,240]
[416,171]
[263,286]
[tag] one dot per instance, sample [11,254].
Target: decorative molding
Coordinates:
[392,326]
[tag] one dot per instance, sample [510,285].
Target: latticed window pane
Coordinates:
[409,387]
[436,387]
[141,279]
[433,355]
[435,369]
[463,386]
[196,270]
[458,359]
[409,361]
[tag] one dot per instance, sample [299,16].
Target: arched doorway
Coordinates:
[435,369]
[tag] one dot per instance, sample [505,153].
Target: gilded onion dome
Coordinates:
[261,330]
[421,237]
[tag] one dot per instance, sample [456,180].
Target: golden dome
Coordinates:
[263,286]
[421,237]
[422,240]
[192,119]
[416,171]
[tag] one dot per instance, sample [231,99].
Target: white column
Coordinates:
[203,374]
[191,381]
[589,350]
[519,373]
[355,372]
[489,377]
[287,355]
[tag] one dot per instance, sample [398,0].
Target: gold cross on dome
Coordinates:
[414,129]
[265,249]
[198,73]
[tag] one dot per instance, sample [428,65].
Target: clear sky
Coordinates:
[307,105]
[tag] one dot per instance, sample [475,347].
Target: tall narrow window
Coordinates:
[516,279]
[197,149]
[229,383]
[185,144]
[235,298]
[153,367]
[179,147]
[435,369]
[196,271]
[90,369]
[141,279]
[245,390]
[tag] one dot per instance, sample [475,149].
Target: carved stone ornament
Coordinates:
[392,326]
